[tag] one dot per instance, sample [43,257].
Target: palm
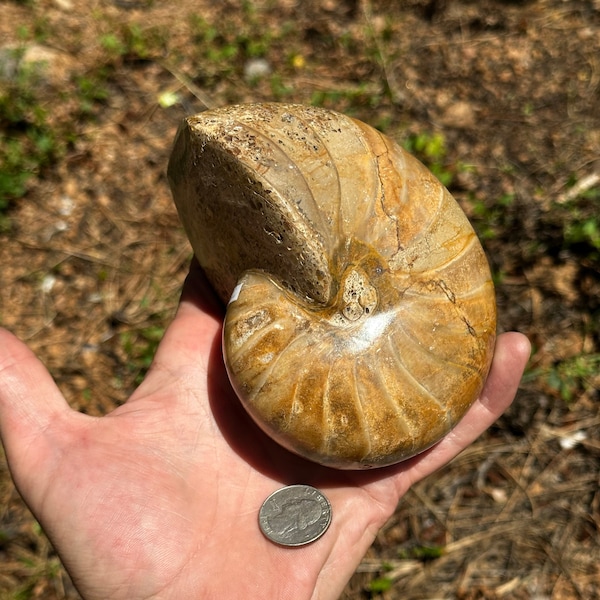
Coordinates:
[160,498]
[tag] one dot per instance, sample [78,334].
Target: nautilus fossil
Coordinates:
[361,316]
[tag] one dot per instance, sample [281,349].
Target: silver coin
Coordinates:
[295,515]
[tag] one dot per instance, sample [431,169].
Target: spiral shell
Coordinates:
[361,316]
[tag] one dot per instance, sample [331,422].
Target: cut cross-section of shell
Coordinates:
[361,316]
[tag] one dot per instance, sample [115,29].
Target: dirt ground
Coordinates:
[500,98]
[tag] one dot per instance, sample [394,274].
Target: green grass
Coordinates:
[581,224]
[353,98]
[28,143]
[573,377]
[380,585]
[221,49]
[140,347]
[492,220]
[430,149]
[131,42]
[32,140]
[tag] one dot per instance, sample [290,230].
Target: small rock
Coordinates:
[65,5]
[50,67]
[47,284]
[9,62]
[66,206]
[256,68]
[40,56]
[459,114]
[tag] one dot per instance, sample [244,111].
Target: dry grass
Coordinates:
[94,257]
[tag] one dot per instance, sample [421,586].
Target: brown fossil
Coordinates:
[361,316]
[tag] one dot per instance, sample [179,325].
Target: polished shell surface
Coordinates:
[361,316]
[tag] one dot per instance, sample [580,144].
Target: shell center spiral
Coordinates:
[359,297]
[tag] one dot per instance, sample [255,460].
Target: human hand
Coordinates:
[159,498]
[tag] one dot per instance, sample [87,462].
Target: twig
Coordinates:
[583,185]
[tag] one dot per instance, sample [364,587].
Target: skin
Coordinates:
[159,498]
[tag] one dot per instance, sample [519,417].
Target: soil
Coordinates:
[93,255]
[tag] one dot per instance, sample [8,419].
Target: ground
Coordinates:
[501,99]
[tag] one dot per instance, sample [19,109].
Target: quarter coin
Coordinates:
[295,515]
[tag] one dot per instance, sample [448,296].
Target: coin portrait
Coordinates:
[295,515]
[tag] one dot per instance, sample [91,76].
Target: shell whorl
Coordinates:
[361,318]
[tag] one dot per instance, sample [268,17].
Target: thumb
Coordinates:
[31,405]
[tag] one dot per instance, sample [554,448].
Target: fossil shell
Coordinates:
[361,315]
